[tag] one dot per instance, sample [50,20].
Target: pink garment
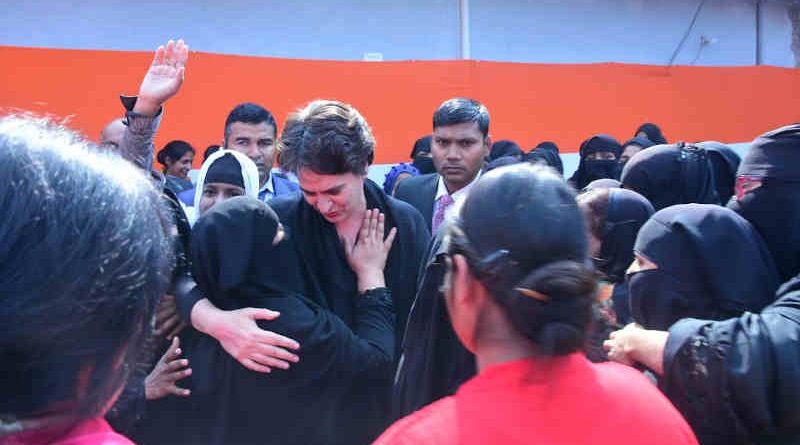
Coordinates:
[442,204]
[94,431]
[562,400]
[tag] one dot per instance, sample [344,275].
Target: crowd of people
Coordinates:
[476,296]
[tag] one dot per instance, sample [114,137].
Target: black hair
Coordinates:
[210,150]
[249,113]
[84,256]
[505,148]
[173,150]
[327,137]
[523,236]
[460,110]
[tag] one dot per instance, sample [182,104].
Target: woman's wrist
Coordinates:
[647,348]
[203,317]
[370,279]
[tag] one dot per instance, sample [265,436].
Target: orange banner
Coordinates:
[528,103]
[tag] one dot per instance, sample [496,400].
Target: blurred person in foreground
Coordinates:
[85,257]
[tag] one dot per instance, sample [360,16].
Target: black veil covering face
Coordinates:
[627,212]
[590,170]
[229,246]
[420,155]
[547,153]
[652,132]
[774,207]
[237,265]
[671,174]
[725,162]
[711,264]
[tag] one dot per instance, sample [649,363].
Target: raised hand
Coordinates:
[367,255]
[162,380]
[164,78]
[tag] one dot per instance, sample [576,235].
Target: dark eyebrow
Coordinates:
[329,191]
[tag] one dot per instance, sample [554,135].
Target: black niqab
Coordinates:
[774,208]
[627,212]
[725,163]
[671,174]
[420,155]
[711,264]
[590,170]
[422,144]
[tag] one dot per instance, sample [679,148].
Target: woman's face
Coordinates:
[217,192]
[181,167]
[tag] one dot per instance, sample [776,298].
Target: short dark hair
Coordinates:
[249,113]
[211,149]
[459,110]
[328,137]
[173,150]
[84,255]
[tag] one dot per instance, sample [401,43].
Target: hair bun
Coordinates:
[558,321]
[559,338]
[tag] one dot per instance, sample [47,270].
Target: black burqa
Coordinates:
[711,264]
[774,208]
[735,381]
[671,174]
[546,153]
[236,266]
[590,170]
[326,277]
[725,162]
[434,362]
[652,132]
[627,213]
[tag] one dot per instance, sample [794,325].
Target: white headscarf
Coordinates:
[249,177]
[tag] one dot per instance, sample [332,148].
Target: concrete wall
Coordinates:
[546,31]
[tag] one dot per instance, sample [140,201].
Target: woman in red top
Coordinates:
[520,290]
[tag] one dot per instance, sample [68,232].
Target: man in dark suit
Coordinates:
[459,146]
[251,130]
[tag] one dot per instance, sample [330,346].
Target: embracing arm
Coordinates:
[256,349]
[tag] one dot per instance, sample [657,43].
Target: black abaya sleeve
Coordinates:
[738,380]
[329,349]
